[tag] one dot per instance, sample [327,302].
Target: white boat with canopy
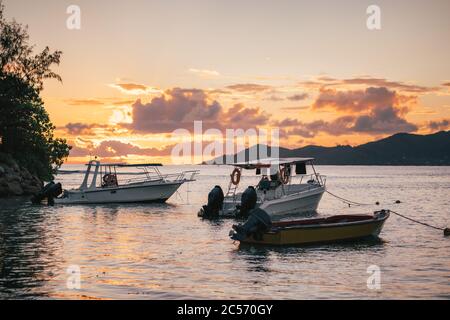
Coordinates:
[277,193]
[101,184]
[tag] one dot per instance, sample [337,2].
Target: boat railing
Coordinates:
[321,179]
[188,175]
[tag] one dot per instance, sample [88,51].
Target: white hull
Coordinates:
[299,203]
[145,192]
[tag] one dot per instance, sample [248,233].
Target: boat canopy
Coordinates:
[266,163]
[141,165]
[128,165]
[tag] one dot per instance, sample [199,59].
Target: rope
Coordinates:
[349,202]
[354,203]
[416,221]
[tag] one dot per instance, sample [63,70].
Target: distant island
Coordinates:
[401,149]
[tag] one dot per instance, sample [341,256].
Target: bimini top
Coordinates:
[126,165]
[267,162]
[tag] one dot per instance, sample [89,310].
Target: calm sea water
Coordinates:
[164,251]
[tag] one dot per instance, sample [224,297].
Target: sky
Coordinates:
[136,71]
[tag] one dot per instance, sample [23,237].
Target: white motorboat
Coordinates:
[152,187]
[276,192]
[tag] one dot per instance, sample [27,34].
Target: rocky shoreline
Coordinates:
[17,181]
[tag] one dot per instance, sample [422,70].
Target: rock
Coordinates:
[15,188]
[26,175]
[15,167]
[31,189]
[11,177]
[16,181]
[4,191]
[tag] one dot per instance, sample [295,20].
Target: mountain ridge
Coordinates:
[398,149]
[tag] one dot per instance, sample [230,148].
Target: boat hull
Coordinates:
[320,233]
[301,204]
[306,202]
[127,194]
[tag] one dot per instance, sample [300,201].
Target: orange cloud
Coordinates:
[135,88]
[84,102]
[439,125]
[249,87]
[325,81]
[375,110]
[179,108]
[114,148]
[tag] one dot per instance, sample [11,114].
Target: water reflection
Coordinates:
[166,251]
[28,250]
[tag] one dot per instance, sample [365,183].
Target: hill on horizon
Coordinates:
[398,149]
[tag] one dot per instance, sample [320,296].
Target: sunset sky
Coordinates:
[137,70]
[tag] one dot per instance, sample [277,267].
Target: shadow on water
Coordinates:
[143,206]
[362,244]
[259,256]
[27,250]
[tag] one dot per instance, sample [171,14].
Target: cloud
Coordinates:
[79,128]
[298,97]
[383,120]
[249,87]
[135,88]
[84,102]
[356,100]
[179,108]
[90,129]
[446,84]
[274,98]
[439,125]
[204,72]
[295,108]
[339,126]
[375,110]
[288,122]
[240,116]
[122,102]
[114,148]
[325,81]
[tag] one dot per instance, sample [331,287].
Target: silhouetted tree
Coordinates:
[25,127]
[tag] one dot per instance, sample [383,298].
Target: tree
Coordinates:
[25,127]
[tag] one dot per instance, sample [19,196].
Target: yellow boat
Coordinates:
[259,230]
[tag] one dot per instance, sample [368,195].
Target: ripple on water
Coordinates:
[165,251]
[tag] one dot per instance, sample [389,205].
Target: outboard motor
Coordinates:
[258,223]
[248,201]
[50,191]
[215,202]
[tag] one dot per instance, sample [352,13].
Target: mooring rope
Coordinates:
[354,203]
[350,202]
[419,222]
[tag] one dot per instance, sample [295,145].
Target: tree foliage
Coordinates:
[25,127]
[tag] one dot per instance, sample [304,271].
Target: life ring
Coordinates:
[110,179]
[235,176]
[284,175]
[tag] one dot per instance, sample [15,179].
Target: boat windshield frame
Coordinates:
[279,163]
[150,170]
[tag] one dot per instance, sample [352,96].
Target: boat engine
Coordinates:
[50,191]
[215,203]
[258,222]
[248,201]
